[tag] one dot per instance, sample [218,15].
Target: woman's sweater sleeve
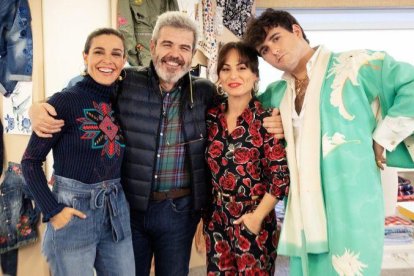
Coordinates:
[32,162]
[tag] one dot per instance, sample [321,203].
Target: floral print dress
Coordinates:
[245,164]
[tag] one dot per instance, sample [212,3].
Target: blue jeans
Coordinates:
[16,45]
[166,232]
[101,241]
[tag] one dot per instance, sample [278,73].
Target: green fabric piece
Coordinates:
[136,21]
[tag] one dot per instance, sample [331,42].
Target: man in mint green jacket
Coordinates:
[339,112]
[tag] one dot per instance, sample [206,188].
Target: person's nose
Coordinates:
[107,58]
[175,52]
[276,51]
[233,74]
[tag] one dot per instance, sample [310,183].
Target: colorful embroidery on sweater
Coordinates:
[98,125]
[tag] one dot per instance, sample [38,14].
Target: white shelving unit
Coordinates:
[396,256]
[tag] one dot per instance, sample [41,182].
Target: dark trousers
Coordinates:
[8,262]
[165,231]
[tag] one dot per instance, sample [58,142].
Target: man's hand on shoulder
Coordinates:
[43,124]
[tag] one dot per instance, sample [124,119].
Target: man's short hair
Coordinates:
[257,28]
[178,20]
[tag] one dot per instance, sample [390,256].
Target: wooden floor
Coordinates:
[282,269]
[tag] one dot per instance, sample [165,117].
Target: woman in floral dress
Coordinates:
[249,172]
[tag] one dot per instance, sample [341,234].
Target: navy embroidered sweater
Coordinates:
[89,148]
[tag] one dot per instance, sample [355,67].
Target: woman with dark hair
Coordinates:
[87,215]
[249,171]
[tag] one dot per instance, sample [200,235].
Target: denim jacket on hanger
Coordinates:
[16,44]
[18,217]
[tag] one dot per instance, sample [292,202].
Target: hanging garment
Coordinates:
[18,217]
[16,45]
[8,261]
[136,20]
[1,147]
[208,44]
[236,14]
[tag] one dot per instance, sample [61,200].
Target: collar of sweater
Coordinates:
[91,86]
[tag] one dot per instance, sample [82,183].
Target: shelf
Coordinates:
[399,256]
[406,173]
[396,256]
[399,247]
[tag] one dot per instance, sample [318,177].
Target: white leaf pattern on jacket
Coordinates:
[348,264]
[346,68]
[329,143]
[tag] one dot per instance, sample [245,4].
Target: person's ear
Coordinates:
[297,30]
[85,63]
[125,60]
[152,46]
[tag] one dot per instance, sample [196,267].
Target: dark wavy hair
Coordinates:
[257,28]
[247,55]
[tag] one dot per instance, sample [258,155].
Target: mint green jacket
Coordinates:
[390,81]
[343,198]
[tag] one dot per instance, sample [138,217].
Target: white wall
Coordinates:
[66,24]
[391,30]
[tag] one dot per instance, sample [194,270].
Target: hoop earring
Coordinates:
[220,90]
[255,88]
[122,75]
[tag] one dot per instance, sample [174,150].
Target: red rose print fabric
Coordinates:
[246,163]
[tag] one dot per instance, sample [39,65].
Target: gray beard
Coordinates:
[171,77]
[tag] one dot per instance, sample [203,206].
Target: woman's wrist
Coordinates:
[259,215]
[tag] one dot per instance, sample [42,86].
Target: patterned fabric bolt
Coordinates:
[236,14]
